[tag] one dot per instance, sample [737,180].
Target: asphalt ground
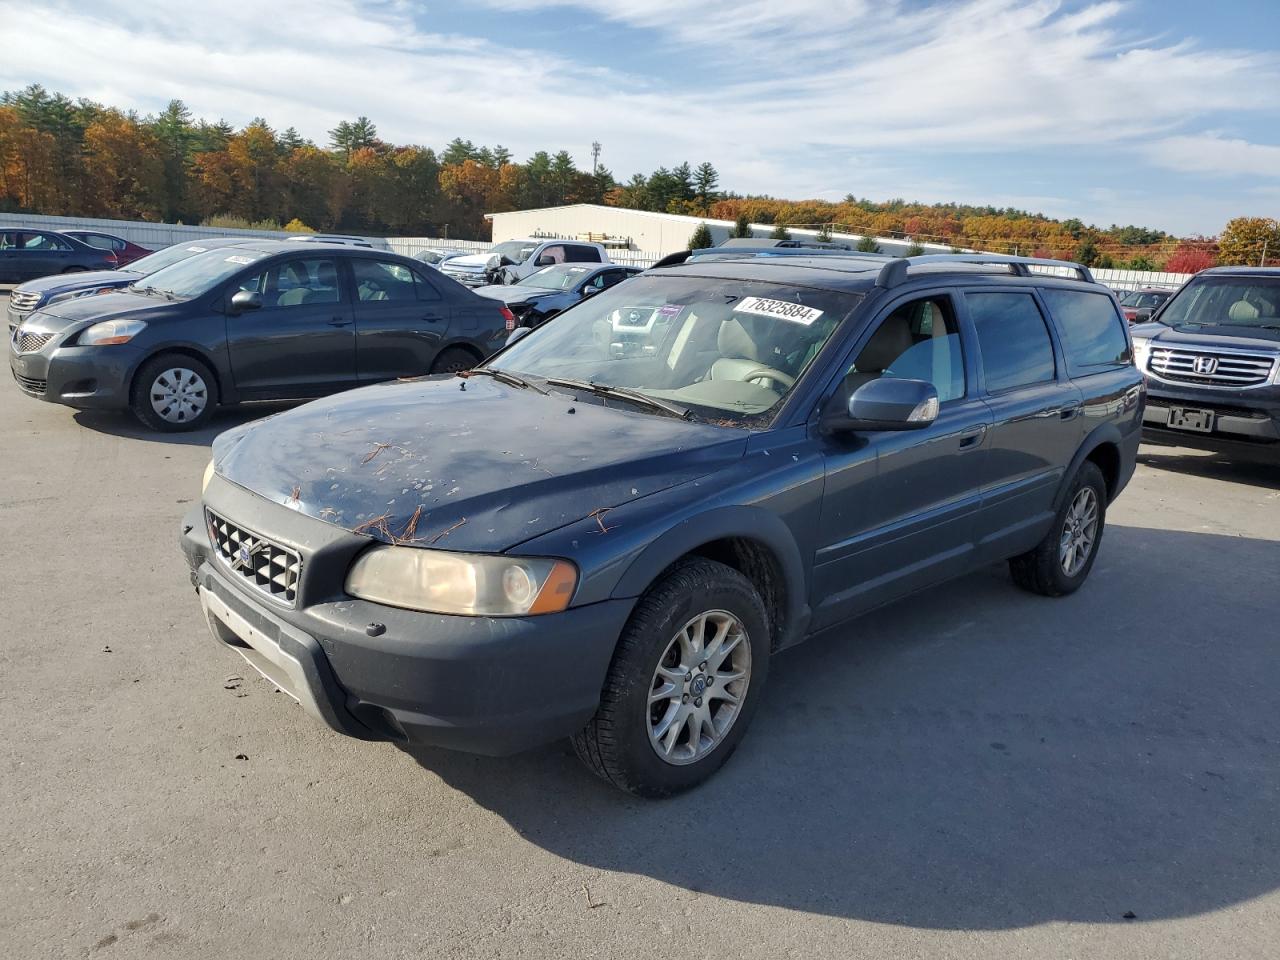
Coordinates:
[973,773]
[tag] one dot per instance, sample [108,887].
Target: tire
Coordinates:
[619,743]
[1047,569]
[186,383]
[453,360]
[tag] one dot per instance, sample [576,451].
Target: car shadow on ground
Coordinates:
[974,758]
[1212,466]
[119,423]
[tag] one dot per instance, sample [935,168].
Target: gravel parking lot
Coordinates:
[975,773]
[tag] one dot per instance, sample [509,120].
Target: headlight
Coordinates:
[1141,350]
[208,475]
[77,294]
[469,584]
[111,331]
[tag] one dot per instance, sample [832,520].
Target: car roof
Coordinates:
[854,273]
[1240,271]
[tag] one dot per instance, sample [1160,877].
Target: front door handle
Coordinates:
[972,438]
[339,322]
[432,318]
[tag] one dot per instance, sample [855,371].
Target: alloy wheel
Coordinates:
[699,687]
[1079,532]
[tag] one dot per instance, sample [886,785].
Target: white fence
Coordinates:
[155,235]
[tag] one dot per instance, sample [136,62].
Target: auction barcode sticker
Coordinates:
[244,260]
[198,249]
[763,307]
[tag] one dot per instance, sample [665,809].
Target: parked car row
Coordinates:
[603,529]
[26,254]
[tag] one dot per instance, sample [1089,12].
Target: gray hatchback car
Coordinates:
[605,531]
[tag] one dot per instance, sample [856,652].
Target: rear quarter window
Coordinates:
[1093,331]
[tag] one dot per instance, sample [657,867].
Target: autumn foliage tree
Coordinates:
[79,158]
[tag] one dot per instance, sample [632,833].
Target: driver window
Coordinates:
[296,283]
[920,340]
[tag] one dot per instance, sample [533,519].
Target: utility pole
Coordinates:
[595,158]
[1263,261]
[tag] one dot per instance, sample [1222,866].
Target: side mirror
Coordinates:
[889,404]
[589,292]
[516,334]
[545,260]
[244,300]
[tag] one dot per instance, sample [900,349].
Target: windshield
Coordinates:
[166,257]
[516,251]
[200,272]
[1227,301]
[563,276]
[729,350]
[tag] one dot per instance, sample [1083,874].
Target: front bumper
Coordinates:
[1245,421]
[90,378]
[491,685]
[468,278]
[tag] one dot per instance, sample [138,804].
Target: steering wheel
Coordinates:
[768,373]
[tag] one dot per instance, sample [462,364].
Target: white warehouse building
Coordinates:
[643,231]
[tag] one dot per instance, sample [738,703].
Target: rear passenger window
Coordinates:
[381,280]
[1012,338]
[576,254]
[1092,331]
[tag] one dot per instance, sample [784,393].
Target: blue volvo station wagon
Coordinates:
[606,530]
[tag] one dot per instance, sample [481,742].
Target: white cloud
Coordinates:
[1212,154]
[818,97]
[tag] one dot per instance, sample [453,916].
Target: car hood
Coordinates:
[72,314]
[514,293]
[64,282]
[471,261]
[1221,336]
[465,463]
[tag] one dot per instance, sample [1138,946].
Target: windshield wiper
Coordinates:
[506,377]
[621,393]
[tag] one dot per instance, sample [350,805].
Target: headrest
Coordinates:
[1242,310]
[891,341]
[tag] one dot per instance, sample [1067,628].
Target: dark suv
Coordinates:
[1212,364]
[607,538]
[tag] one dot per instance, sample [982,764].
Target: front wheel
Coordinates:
[173,392]
[685,680]
[1061,562]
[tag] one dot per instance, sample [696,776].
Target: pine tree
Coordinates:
[742,228]
[701,238]
[867,245]
[780,232]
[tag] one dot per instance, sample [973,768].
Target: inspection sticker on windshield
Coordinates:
[197,249]
[244,260]
[763,307]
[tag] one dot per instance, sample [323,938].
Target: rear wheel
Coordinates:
[1061,562]
[173,392]
[684,682]
[453,360]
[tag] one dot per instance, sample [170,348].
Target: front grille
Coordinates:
[1211,368]
[30,342]
[476,279]
[23,302]
[267,566]
[31,385]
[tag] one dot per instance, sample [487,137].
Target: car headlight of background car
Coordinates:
[110,332]
[466,584]
[77,294]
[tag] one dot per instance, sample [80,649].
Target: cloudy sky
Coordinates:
[1159,112]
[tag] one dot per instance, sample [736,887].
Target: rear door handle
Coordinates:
[339,322]
[971,438]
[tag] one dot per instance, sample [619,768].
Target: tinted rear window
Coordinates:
[1015,345]
[1092,330]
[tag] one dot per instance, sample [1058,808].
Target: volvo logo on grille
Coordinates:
[244,556]
[1205,366]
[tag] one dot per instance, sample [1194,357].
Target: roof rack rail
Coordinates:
[894,273]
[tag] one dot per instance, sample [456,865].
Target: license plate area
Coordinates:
[1189,418]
